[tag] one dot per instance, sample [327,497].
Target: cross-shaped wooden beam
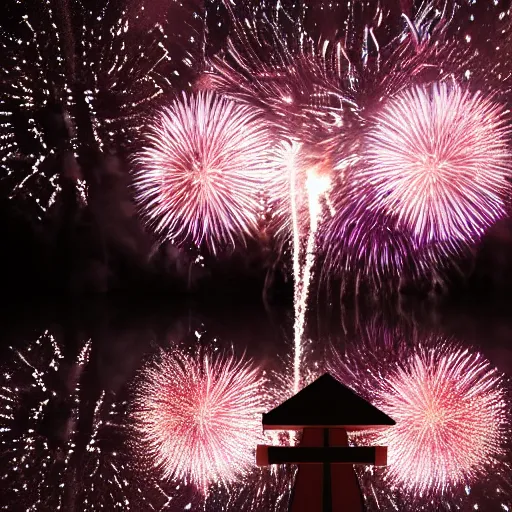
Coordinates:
[325,410]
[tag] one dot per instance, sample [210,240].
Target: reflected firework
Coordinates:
[263,490]
[270,488]
[201,175]
[451,410]
[199,420]
[59,449]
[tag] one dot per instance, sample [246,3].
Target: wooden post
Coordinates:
[334,485]
[346,491]
[324,411]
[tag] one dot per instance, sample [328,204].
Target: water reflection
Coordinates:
[198,416]
[452,412]
[62,436]
[70,386]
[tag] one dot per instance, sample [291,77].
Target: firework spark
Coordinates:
[58,448]
[205,164]
[73,78]
[339,92]
[364,246]
[199,421]
[273,63]
[449,405]
[437,159]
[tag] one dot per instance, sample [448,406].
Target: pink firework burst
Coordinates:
[449,405]
[201,174]
[200,420]
[438,160]
[450,413]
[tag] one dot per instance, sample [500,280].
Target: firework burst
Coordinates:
[203,170]
[450,412]
[386,76]
[420,192]
[272,63]
[199,421]
[30,394]
[450,407]
[437,159]
[314,92]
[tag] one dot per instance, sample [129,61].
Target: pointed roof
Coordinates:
[326,403]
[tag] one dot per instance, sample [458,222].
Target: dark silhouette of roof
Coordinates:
[326,402]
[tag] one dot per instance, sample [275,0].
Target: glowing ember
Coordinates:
[200,420]
[438,160]
[205,163]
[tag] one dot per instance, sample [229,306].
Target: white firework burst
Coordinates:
[202,174]
[438,160]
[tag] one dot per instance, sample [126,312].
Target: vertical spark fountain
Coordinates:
[316,185]
[298,325]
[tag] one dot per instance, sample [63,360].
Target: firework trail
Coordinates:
[317,186]
[298,198]
[206,162]
[73,79]
[199,420]
[450,406]
[281,75]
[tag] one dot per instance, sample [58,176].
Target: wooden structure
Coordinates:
[325,411]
